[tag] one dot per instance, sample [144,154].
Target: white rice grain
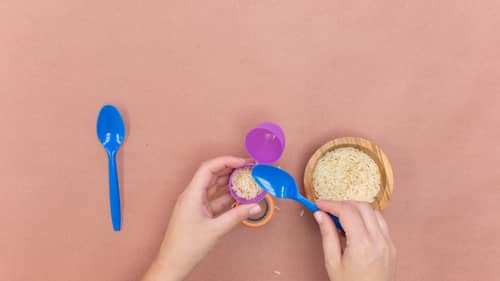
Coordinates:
[346,174]
[244,185]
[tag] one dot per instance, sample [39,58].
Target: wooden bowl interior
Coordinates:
[386,176]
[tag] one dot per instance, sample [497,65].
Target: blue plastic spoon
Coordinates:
[111,132]
[281,184]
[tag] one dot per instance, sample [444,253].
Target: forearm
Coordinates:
[162,271]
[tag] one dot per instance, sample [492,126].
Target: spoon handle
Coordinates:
[313,208]
[114,192]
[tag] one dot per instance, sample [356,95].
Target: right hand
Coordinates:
[369,253]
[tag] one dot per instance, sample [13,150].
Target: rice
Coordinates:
[244,185]
[346,174]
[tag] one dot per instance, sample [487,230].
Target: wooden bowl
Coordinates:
[386,175]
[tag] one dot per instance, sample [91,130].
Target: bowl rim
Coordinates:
[371,149]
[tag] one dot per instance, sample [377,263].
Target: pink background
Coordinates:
[191,77]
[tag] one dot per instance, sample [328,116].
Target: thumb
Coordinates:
[331,241]
[231,218]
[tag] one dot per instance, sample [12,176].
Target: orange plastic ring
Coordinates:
[264,219]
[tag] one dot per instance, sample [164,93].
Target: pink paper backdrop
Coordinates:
[419,78]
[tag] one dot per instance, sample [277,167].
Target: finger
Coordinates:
[227,171]
[211,192]
[349,217]
[223,173]
[385,231]
[219,188]
[369,218]
[215,192]
[330,238]
[249,161]
[221,203]
[210,169]
[383,225]
[228,220]
[222,181]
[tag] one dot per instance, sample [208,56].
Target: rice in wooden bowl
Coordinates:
[349,168]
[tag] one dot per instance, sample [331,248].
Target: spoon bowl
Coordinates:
[281,184]
[110,128]
[275,181]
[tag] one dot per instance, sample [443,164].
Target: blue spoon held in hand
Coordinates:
[281,184]
[111,132]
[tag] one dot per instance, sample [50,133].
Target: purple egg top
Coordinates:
[265,143]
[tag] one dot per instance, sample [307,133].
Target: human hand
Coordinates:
[198,221]
[369,253]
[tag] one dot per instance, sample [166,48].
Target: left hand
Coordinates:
[198,222]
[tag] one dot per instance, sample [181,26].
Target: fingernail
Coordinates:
[255,210]
[318,216]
